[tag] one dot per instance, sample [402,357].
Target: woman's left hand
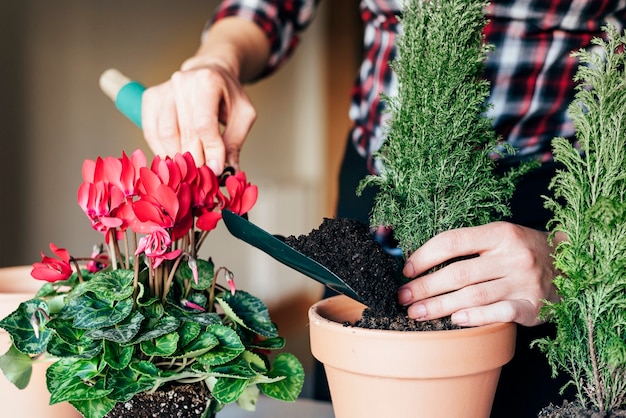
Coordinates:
[507,280]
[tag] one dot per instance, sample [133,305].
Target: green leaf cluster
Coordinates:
[590,213]
[437,157]
[110,342]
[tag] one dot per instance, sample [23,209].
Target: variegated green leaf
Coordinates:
[165,325]
[249,398]
[163,346]
[94,408]
[116,355]
[19,325]
[60,371]
[110,286]
[146,367]
[89,312]
[120,333]
[73,388]
[275,343]
[249,312]
[152,308]
[255,361]
[127,382]
[205,274]
[17,367]
[202,318]
[230,346]
[289,388]
[188,331]
[238,368]
[200,345]
[84,348]
[227,390]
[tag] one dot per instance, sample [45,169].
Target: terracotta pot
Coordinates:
[374,373]
[16,286]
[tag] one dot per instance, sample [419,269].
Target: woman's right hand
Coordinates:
[203,110]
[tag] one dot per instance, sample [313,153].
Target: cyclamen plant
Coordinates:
[144,311]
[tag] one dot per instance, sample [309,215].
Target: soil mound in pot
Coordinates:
[348,248]
[184,401]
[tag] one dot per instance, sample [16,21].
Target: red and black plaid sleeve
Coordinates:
[282,21]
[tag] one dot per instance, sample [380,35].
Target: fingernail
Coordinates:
[214,166]
[408,270]
[460,318]
[404,296]
[417,311]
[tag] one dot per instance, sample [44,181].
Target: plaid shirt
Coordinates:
[531,70]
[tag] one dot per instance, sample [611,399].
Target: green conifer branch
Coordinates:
[438,171]
[590,210]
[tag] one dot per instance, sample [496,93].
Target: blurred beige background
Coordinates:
[53,116]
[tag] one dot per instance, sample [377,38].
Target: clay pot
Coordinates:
[375,373]
[16,286]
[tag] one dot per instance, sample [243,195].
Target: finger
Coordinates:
[238,125]
[455,243]
[158,119]
[210,95]
[187,88]
[520,311]
[455,276]
[480,294]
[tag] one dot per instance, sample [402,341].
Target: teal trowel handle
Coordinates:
[125,93]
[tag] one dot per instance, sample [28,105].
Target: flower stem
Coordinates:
[170,277]
[112,250]
[77,267]
[136,269]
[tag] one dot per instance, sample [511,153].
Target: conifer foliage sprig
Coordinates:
[438,173]
[590,210]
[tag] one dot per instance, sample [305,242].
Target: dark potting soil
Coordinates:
[347,248]
[575,410]
[174,401]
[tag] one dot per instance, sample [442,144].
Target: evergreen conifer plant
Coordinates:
[437,159]
[590,218]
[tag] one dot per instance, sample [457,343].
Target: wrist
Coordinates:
[212,58]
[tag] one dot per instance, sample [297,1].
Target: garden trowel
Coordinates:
[275,247]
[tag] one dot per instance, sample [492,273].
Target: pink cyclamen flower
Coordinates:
[189,304]
[231,285]
[156,246]
[100,202]
[230,279]
[208,220]
[193,265]
[205,189]
[53,269]
[243,195]
[123,173]
[160,205]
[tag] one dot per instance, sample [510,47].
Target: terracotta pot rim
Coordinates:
[316,315]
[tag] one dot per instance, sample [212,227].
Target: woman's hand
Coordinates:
[507,280]
[203,108]
[185,113]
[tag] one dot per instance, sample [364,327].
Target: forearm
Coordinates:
[236,44]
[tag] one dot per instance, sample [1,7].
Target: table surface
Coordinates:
[271,408]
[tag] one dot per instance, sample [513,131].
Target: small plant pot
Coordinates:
[377,373]
[16,286]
